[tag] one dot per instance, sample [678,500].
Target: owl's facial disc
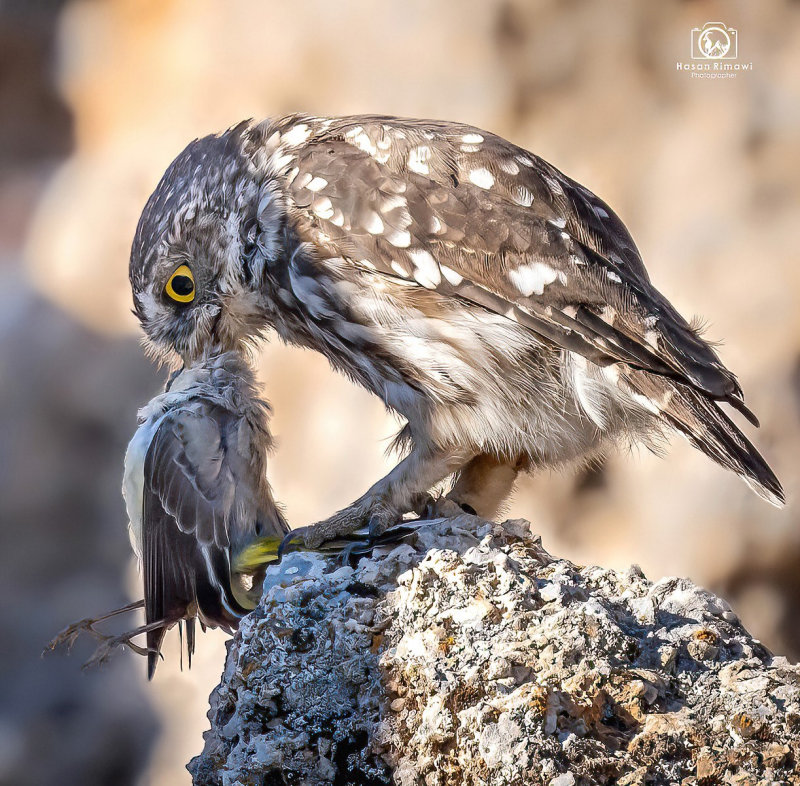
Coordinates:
[179,307]
[196,305]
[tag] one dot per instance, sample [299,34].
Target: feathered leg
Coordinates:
[484,485]
[386,502]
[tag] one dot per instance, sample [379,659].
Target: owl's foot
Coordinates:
[377,518]
[443,508]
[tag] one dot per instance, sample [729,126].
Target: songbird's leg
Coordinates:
[68,636]
[109,643]
[484,485]
[386,502]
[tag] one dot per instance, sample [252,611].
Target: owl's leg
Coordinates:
[485,484]
[386,502]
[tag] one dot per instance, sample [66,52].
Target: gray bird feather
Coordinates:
[197,496]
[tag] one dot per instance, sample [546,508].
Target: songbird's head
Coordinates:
[203,238]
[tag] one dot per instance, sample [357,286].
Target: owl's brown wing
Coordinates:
[464,212]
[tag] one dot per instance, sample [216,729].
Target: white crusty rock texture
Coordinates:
[469,655]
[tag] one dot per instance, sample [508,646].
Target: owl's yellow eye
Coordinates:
[180,286]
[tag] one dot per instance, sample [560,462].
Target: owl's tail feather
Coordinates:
[699,418]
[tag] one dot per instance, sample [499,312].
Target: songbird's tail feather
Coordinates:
[155,638]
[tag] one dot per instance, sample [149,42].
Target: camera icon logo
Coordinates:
[715,41]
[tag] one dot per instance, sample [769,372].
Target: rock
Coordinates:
[469,655]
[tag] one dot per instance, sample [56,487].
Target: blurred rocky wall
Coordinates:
[68,398]
[705,173]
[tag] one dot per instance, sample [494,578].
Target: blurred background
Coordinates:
[99,95]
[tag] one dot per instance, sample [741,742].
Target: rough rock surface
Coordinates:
[469,655]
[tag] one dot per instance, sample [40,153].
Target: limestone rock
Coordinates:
[469,655]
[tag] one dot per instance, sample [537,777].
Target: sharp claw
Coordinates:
[444,507]
[431,509]
[422,503]
[348,552]
[397,533]
[143,651]
[292,540]
[376,526]
[67,637]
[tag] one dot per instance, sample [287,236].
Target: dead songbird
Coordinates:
[499,306]
[199,506]
[203,521]
[197,495]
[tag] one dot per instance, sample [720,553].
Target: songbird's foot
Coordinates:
[110,643]
[67,637]
[104,649]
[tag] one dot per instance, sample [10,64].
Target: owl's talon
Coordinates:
[348,552]
[444,508]
[377,526]
[296,539]
[422,503]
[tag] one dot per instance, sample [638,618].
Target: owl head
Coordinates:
[212,218]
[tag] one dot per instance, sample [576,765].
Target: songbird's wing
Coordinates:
[201,483]
[458,210]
